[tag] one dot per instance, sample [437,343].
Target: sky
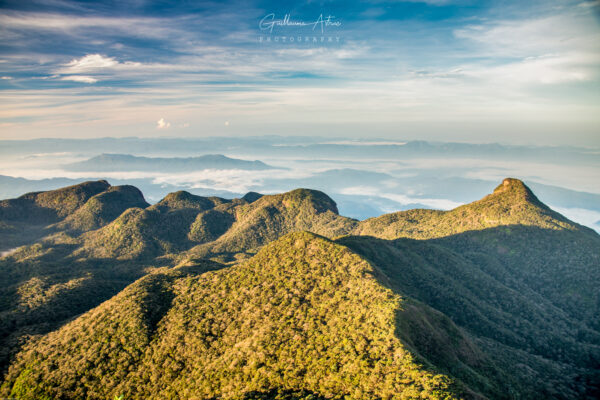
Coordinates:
[505,71]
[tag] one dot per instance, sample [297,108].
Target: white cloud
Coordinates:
[162,124]
[90,62]
[96,63]
[232,180]
[547,50]
[93,64]
[79,78]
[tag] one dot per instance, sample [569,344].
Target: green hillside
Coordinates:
[304,314]
[174,224]
[494,299]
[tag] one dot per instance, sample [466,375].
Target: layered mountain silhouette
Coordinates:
[278,296]
[127,162]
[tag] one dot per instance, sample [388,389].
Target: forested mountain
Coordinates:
[203,297]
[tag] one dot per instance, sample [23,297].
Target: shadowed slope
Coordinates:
[512,308]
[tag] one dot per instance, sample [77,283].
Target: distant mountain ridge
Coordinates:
[126,162]
[302,145]
[217,298]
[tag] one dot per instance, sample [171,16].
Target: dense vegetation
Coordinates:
[304,313]
[497,298]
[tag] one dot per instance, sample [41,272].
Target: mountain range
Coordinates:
[127,162]
[299,146]
[366,178]
[280,297]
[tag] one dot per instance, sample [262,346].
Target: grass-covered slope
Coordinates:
[118,223]
[304,315]
[69,272]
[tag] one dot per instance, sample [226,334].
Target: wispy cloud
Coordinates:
[88,63]
[19,22]
[79,78]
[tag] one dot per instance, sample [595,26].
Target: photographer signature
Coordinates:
[269,22]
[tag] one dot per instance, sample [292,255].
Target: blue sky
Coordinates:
[479,71]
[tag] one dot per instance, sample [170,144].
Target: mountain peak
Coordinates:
[518,191]
[512,185]
[180,195]
[251,197]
